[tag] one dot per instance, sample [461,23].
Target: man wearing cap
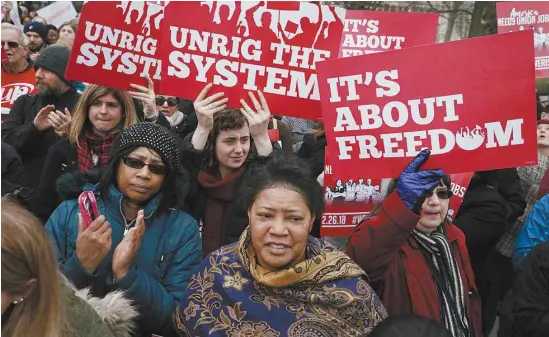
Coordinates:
[38,35]
[27,127]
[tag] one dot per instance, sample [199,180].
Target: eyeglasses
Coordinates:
[11,44]
[441,194]
[138,165]
[171,101]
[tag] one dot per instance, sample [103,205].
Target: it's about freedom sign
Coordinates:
[470,102]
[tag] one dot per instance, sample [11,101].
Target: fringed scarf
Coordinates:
[324,295]
[94,150]
[448,281]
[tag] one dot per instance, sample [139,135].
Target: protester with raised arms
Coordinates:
[142,242]
[226,143]
[415,258]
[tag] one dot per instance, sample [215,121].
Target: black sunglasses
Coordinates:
[171,101]
[441,194]
[138,164]
[11,44]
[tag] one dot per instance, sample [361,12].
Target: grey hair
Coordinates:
[23,39]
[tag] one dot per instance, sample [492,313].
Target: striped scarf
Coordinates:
[448,281]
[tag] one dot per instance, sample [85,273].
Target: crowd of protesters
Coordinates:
[209,221]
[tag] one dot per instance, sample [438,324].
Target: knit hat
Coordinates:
[152,136]
[37,28]
[543,121]
[55,59]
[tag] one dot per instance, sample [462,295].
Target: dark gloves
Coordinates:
[413,184]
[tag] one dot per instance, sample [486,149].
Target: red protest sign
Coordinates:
[237,46]
[367,32]
[348,202]
[473,113]
[117,43]
[522,15]
[246,46]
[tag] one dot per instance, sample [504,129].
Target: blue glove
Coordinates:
[413,184]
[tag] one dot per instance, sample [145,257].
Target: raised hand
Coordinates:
[41,120]
[205,108]
[145,95]
[126,250]
[258,120]
[413,184]
[93,243]
[60,121]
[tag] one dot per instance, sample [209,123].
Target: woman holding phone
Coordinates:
[142,243]
[100,115]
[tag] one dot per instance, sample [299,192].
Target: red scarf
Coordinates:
[89,143]
[216,198]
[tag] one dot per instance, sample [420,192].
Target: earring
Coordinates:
[17,302]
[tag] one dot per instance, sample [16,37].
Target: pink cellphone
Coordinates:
[88,207]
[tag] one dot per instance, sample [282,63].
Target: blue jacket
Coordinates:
[169,255]
[534,231]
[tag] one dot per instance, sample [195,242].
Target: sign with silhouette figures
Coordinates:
[237,46]
[473,113]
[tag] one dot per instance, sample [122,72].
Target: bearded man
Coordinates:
[27,127]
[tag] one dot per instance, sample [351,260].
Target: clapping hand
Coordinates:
[127,250]
[60,121]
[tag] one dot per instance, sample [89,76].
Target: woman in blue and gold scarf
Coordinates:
[277,280]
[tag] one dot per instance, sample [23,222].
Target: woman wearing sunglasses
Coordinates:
[181,124]
[415,258]
[89,133]
[142,242]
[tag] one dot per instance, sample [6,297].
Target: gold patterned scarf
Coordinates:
[326,264]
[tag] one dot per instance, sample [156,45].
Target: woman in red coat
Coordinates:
[415,259]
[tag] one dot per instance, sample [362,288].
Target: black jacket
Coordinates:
[18,130]
[11,169]
[187,126]
[62,158]
[313,151]
[531,294]
[493,200]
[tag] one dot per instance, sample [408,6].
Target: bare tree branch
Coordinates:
[438,10]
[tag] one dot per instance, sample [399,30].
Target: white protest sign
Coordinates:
[58,13]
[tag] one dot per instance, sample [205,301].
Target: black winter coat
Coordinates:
[313,151]
[11,169]
[62,158]
[531,294]
[18,130]
[493,200]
